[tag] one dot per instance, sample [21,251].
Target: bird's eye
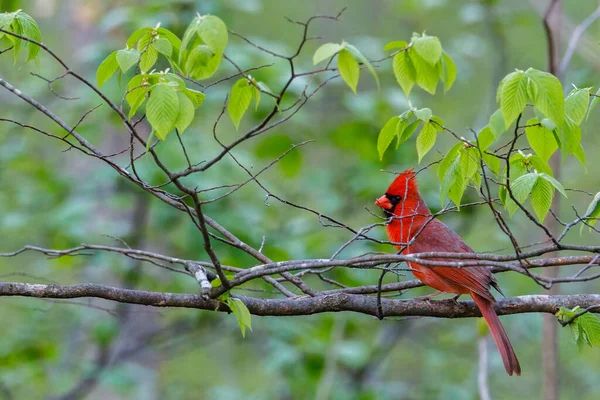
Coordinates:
[394,199]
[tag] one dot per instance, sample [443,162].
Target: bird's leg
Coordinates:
[429,296]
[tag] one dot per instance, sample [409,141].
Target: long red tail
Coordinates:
[511,364]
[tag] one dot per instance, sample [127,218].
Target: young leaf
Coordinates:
[202,62]
[239,101]
[256,96]
[148,58]
[163,46]
[523,185]
[404,71]
[453,183]
[541,139]
[6,20]
[359,57]
[469,162]
[593,211]
[349,69]
[540,165]
[186,113]
[426,139]
[426,74]
[485,138]
[127,58]
[547,95]
[428,47]
[449,71]
[173,39]
[386,135]
[492,162]
[107,68]
[408,131]
[497,123]
[424,114]
[396,44]
[135,36]
[541,198]
[576,104]
[593,103]
[326,51]
[197,98]
[241,313]
[448,159]
[213,32]
[513,96]
[554,183]
[162,109]
[29,28]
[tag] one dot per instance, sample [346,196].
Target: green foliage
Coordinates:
[541,139]
[22,24]
[241,313]
[541,186]
[585,328]
[107,68]
[592,213]
[240,98]
[202,47]
[127,58]
[422,62]
[348,62]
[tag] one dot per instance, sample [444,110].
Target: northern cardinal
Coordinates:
[413,220]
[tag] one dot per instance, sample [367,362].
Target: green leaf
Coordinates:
[386,135]
[541,198]
[540,165]
[239,100]
[426,139]
[359,57]
[426,74]
[6,20]
[541,139]
[404,71]
[326,51]
[186,113]
[148,58]
[408,131]
[497,124]
[197,98]
[424,114]
[107,68]
[135,36]
[593,211]
[449,71]
[576,104]
[590,324]
[396,44]
[162,109]
[547,95]
[485,138]
[127,58]
[213,31]
[492,162]
[349,69]
[548,124]
[453,183]
[173,39]
[242,314]
[554,183]
[513,96]
[163,46]
[593,103]
[469,162]
[256,96]
[428,47]
[448,159]
[523,185]
[29,28]
[202,62]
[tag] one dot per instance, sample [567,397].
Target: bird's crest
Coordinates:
[405,182]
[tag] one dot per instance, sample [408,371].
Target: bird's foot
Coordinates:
[428,297]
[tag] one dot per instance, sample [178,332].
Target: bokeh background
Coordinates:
[59,199]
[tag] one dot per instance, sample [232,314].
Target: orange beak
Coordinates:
[384,203]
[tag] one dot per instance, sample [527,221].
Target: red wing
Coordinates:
[438,237]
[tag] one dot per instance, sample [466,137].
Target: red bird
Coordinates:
[412,221]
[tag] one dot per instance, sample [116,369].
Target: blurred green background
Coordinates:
[59,199]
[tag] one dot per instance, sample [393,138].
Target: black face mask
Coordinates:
[395,200]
